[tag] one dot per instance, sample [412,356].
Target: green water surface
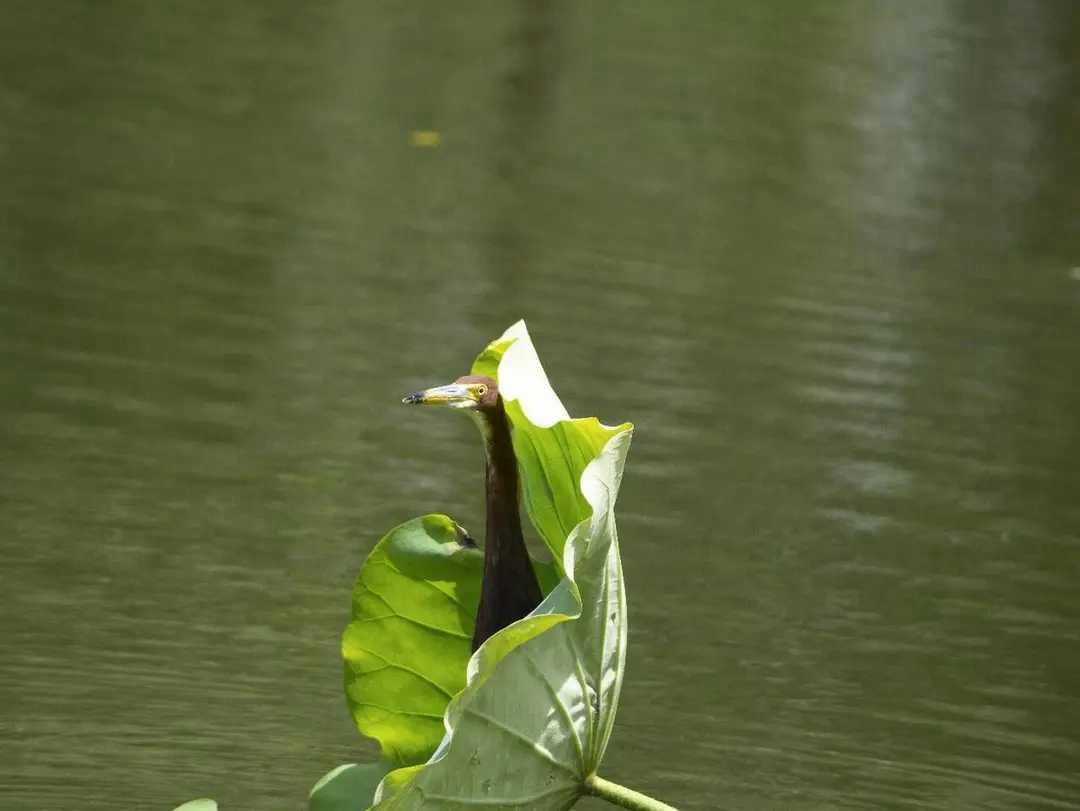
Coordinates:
[825,256]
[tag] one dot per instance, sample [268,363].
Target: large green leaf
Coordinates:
[536,716]
[407,647]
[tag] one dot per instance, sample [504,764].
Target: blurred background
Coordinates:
[825,255]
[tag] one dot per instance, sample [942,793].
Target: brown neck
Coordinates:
[510,589]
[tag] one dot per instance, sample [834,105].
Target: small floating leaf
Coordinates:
[350,787]
[428,139]
[198,805]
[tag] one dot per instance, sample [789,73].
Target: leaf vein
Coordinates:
[523,739]
[399,666]
[421,581]
[584,682]
[560,704]
[413,620]
[436,716]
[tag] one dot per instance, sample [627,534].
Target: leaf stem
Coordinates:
[623,796]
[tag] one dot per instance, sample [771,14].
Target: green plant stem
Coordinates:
[620,795]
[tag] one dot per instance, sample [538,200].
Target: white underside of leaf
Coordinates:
[522,378]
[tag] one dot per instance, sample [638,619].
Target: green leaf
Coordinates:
[551,461]
[198,805]
[535,719]
[407,647]
[350,787]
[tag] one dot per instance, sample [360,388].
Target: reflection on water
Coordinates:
[821,259]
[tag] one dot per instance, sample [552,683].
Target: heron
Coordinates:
[510,589]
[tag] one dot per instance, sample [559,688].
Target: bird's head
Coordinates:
[471,393]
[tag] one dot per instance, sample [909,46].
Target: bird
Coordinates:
[509,589]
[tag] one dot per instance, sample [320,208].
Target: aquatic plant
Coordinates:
[525,720]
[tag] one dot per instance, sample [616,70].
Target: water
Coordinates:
[825,259]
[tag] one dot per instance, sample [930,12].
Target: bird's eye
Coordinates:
[481,390]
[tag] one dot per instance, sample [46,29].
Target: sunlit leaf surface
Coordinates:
[408,645]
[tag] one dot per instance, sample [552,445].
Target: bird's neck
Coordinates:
[510,589]
[503,517]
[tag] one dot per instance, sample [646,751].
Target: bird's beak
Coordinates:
[455,396]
